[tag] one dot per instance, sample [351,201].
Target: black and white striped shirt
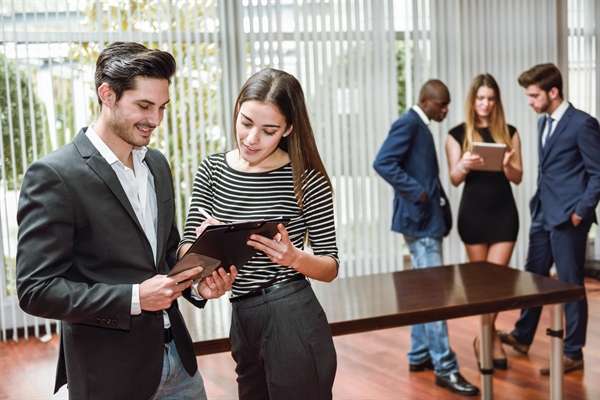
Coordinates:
[232,196]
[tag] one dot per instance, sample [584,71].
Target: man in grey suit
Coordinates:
[97,237]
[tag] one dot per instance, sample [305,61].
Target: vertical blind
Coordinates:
[504,39]
[346,56]
[471,38]
[342,52]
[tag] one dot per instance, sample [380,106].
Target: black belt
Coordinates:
[264,290]
[168,335]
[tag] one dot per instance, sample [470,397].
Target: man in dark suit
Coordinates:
[563,207]
[97,237]
[407,160]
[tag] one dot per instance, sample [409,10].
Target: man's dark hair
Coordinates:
[546,76]
[120,62]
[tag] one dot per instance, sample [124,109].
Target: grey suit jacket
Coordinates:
[80,250]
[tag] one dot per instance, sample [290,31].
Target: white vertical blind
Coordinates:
[503,39]
[342,52]
[52,48]
[584,74]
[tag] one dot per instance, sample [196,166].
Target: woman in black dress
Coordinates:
[488,222]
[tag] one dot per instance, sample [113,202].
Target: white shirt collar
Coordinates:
[559,112]
[107,153]
[421,114]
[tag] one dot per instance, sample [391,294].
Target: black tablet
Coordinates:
[225,245]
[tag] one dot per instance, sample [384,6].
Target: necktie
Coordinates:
[549,122]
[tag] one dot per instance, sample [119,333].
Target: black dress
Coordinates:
[487,211]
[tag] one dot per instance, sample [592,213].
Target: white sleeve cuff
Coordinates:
[195,293]
[136,308]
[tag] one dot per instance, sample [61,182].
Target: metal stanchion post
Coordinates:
[485,357]
[556,352]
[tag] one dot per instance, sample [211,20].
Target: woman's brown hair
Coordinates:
[283,90]
[496,121]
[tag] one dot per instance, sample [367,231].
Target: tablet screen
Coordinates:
[225,245]
[492,154]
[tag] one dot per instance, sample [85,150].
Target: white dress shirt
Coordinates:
[138,184]
[556,116]
[422,114]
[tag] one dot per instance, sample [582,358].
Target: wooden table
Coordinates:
[371,302]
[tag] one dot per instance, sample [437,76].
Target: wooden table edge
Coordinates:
[340,328]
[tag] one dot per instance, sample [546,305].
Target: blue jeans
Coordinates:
[430,340]
[176,383]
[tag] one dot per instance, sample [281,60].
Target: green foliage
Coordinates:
[9,272]
[400,63]
[64,109]
[194,130]
[14,128]
[151,16]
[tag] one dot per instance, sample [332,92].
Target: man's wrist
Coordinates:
[195,291]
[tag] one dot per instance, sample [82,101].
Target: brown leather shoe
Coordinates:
[507,338]
[569,365]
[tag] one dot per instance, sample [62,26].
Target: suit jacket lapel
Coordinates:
[429,136]
[541,125]
[163,193]
[99,165]
[562,124]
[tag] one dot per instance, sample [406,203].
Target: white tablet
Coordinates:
[492,154]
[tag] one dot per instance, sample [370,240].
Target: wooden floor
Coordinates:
[371,365]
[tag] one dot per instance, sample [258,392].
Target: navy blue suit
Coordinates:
[568,182]
[407,160]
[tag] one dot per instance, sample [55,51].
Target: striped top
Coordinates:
[233,196]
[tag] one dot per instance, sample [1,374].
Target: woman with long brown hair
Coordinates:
[280,338]
[488,221]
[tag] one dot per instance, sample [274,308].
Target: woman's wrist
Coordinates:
[461,168]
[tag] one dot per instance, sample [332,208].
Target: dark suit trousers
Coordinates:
[282,345]
[563,245]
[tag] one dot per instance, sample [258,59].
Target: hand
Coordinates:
[470,160]
[158,292]
[575,219]
[218,283]
[507,156]
[207,222]
[279,249]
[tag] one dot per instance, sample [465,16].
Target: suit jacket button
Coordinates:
[103,320]
[114,321]
[98,320]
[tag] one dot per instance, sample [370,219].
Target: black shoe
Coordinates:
[424,366]
[499,363]
[456,384]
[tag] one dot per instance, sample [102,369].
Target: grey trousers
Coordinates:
[282,345]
